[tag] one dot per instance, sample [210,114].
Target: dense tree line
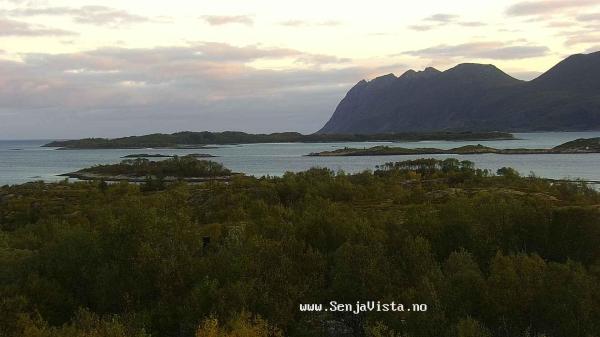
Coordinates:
[490,255]
[178,167]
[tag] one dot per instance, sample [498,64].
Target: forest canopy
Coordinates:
[489,253]
[178,167]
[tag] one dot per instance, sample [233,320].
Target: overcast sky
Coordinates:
[71,69]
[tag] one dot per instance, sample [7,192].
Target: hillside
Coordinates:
[474,97]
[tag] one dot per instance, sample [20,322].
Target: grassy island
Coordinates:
[591,145]
[193,140]
[486,253]
[584,145]
[187,168]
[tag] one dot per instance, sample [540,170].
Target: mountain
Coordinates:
[474,97]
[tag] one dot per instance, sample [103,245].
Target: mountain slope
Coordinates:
[474,97]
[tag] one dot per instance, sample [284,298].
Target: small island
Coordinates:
[186,168]
[157,155]
[590,145]
[201,140]
[146,155]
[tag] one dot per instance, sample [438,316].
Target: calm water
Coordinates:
[22,161]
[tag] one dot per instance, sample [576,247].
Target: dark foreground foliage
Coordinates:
[490,255]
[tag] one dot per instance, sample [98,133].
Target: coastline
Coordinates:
[578,146]
[140,179]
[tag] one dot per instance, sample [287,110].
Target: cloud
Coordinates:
[322,59]
[560,24]
[93,15]
[382,34]
[589,17]
[582,29]
[526,8]
[10,27]
[119,91]
[216,51]
[421,28]
[218,20]
[471,24]
[593,49]
[443,19]
[585,37]
[484,50]
[304,23]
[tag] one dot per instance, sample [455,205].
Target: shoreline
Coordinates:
[365,153]
[578,146]
[141,179]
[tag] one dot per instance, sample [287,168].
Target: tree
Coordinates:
[242,325]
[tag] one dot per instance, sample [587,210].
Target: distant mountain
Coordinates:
[474,97]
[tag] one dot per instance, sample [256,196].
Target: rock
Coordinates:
[474,97]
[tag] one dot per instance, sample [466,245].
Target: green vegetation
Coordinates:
[490,255]
[186,167]
[198,139]
[591,145]
[146,155]
[582,145]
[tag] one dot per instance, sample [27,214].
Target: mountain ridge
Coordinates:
[474,97]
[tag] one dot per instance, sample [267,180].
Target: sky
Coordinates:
[72,69]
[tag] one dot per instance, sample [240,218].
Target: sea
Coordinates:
[23,161]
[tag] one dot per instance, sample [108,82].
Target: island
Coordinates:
[200,140]
[157,155]
[589,145]
[186,168]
